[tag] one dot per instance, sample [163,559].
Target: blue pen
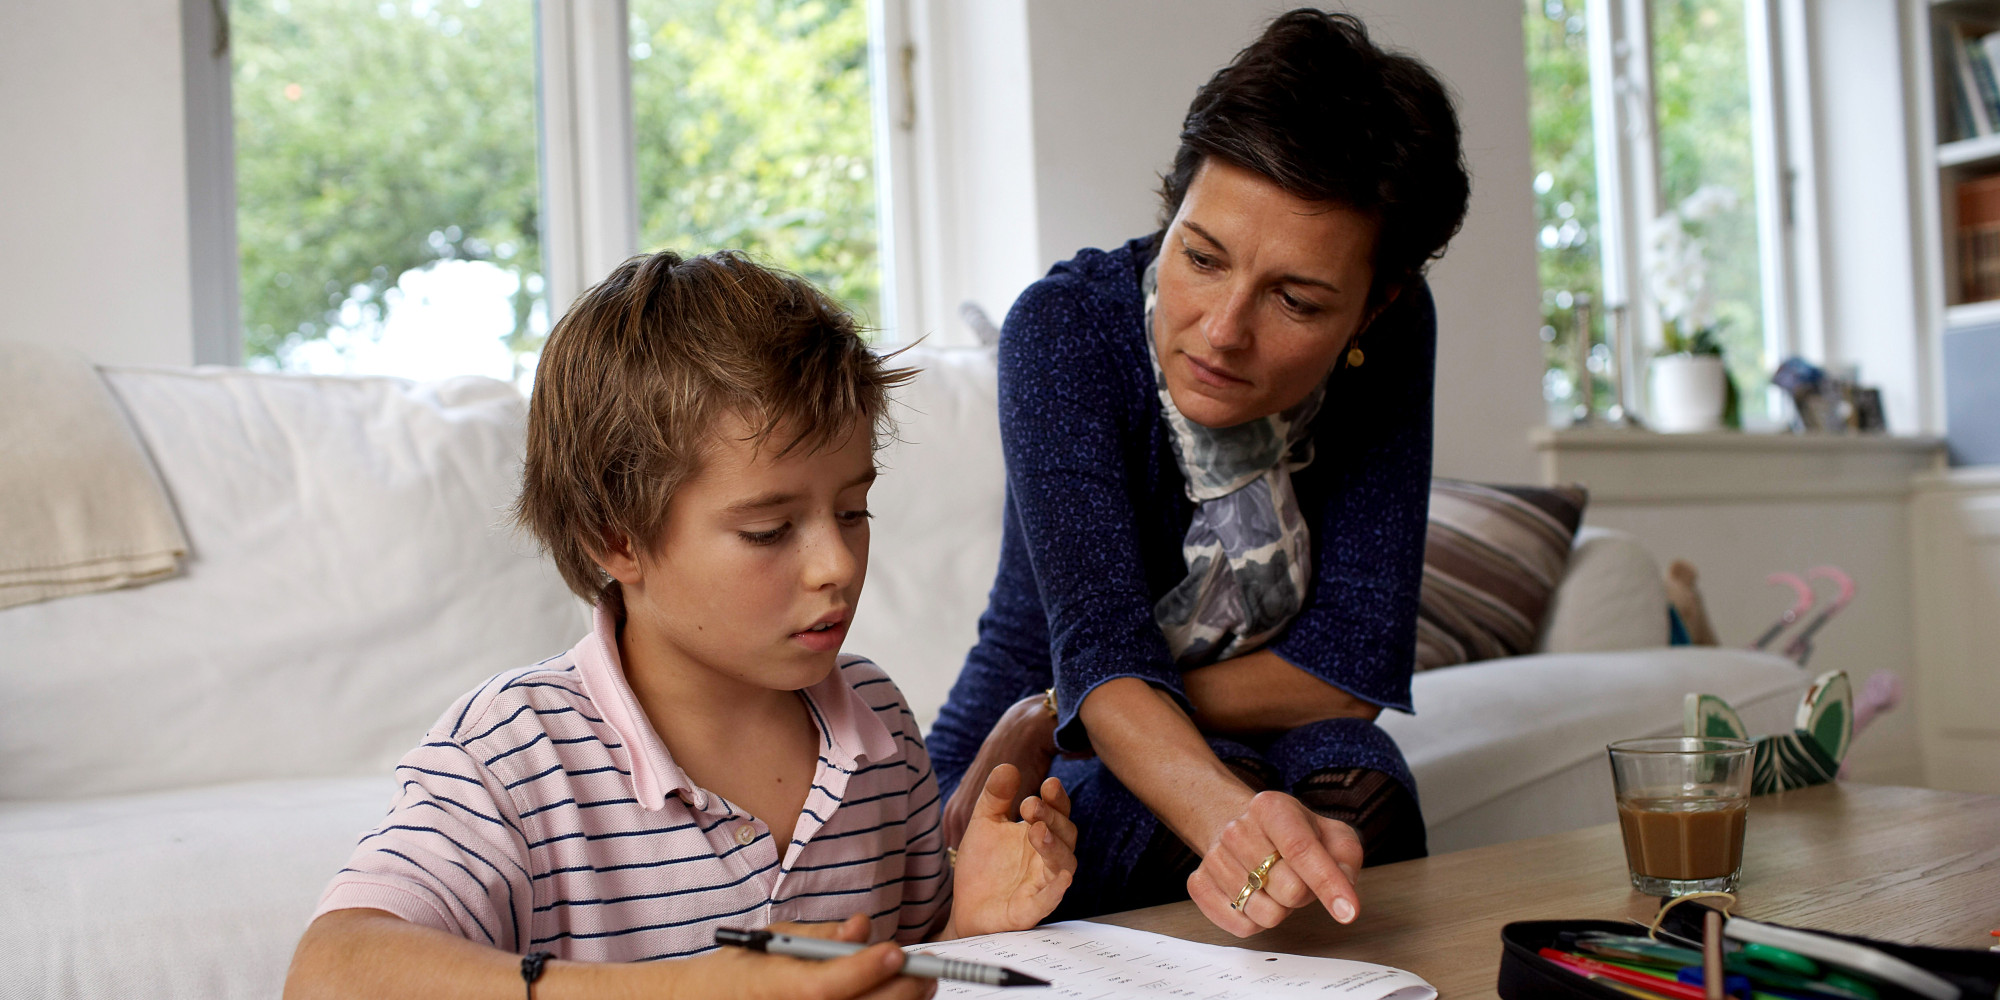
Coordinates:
[1733,984]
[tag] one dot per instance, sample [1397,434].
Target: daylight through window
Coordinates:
[389,211]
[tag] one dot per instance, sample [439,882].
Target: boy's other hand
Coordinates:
[869,974]
[1010,874]
[1025,737]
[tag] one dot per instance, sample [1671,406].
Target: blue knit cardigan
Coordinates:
[1095,513]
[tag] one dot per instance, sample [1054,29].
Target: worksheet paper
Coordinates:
[1092,961]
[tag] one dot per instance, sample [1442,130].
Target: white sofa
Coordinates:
[183,765]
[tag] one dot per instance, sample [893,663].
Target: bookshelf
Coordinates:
[1959,136]
[1960,152]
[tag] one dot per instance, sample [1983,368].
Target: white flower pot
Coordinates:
[1687,393]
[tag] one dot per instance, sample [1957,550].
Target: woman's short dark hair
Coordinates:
[1316,107]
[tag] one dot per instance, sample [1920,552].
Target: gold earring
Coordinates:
[1354,357]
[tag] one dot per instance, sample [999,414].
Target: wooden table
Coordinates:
[1902,864]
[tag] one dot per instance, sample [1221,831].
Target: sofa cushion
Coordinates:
[1492,556]
[1612,596]
[1515,748]
[349,576]
[935,539]
[199,893]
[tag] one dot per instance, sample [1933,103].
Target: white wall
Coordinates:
[1867,237]
[1111,79]
[93,184]
[973,155]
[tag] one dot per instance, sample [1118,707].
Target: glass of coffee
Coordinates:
[1682,803]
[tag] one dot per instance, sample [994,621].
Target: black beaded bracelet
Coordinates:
[531,969]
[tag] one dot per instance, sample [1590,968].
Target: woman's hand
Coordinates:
[1012,874]
[1317,860]
[1025,737]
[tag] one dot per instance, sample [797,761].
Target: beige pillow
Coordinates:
[1492,557]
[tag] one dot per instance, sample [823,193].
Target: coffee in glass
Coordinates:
[1683,805]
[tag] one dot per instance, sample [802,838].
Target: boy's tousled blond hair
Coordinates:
[633,379]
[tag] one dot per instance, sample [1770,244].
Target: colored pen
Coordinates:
[1770,969]
[1643,980]
[916,964]
[1633,950]
[1679,985]
[1734,984]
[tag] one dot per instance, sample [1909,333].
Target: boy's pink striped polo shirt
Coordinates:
[543,812]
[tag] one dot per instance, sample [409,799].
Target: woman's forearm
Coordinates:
[1142,735]
[1261,693]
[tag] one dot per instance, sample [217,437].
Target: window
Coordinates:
[753,130]
[1565,163]
[1659,181]
[422,185]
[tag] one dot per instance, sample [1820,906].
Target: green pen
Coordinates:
[1766,966]
[1781,963]
[1779,959]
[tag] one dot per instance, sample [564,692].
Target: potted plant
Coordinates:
[1689,385]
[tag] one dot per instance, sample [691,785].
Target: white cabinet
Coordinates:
[1955,525]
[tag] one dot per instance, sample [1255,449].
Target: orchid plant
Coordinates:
[1677,271]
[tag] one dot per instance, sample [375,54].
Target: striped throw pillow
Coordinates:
[1492,557]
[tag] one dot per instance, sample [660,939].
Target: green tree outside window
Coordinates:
[378,139]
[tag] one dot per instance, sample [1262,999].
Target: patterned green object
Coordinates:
[1827,712]
[1790,760]
[1808,755]
[1707,715]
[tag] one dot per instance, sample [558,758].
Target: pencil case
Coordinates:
[1526,975]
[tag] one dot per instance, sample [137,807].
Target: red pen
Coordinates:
[1591,967]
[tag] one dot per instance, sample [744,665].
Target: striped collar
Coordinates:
[850,731]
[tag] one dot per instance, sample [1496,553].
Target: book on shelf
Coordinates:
[1979,238]
[1977,108]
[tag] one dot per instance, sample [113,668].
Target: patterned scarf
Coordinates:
[1248,552]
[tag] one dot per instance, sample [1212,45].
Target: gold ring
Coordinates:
[1255,882]
[1049,702]
[1249,889]
[1264,870]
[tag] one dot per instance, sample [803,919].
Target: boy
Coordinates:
[700,446]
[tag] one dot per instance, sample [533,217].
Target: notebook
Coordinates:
[1083,959]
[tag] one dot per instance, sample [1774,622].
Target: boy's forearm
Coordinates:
[1156,751]
[370,953]
[1262,693]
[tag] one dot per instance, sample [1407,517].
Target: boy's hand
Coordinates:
[1025,737]
[1012,874]
[869,974]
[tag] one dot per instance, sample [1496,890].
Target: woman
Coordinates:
[1218,445]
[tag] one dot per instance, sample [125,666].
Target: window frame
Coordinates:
[1625,139]
[214,268]
[585,155]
